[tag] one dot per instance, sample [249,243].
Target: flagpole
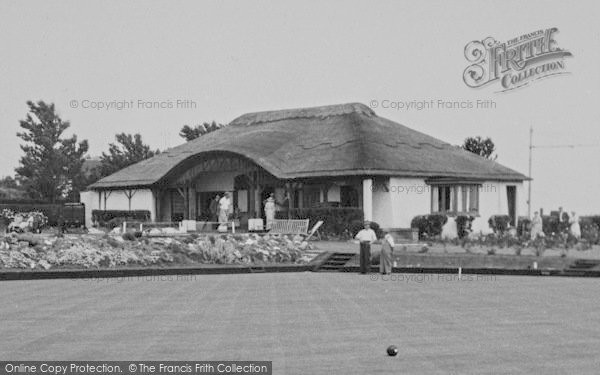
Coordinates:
[530,152]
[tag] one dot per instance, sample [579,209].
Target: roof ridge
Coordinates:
[320,112]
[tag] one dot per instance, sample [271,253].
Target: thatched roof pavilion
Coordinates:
[299,152]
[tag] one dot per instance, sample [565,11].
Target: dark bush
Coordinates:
[590,232]
[591,219]
[336,221]
[355,227]
[128,236]
[499,223]
[551,225]
[523,226]
[463,225]
[429,226]
[113,223]
[590,228]
[105,218]
[112,242]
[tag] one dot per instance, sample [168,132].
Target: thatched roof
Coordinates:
[337,140]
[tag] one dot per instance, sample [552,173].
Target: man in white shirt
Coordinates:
[367,234]
[224,206]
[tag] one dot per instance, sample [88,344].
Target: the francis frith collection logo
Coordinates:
[514,63]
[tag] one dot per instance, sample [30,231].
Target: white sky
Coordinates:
[236,57]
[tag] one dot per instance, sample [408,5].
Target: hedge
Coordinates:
[113,218]
[464,225]
[336,221]
[551,225]
[523,226]
[590,220]
[53,211]
[499,223]
[430,225]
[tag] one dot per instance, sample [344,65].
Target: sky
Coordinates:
[216,60]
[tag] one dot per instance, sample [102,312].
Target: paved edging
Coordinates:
[483,271]
[140,272]
[241,269]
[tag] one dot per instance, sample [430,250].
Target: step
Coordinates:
[336,262]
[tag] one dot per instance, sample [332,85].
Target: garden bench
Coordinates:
[290,226]
[299,227]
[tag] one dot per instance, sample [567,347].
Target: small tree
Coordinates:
[51,167]
[10,189]
[128,150]
[8,182]
[189,133]
[480,146]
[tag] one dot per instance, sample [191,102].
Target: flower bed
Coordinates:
[23,221]
[27,251]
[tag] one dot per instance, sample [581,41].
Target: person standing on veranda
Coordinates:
[270,210]
[213,208]
[224,207]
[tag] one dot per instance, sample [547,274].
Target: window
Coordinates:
[312,196]
[455,199]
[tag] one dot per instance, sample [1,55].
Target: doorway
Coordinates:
[511,196]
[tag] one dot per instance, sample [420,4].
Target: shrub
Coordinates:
[429,226]
[112,242]
[590,219]
[590,232]
[114,223]
[523,226]
[551,225]
[106,218]
[463,225]
[336,221]
[128,236]
[355,227]
[38,219]
[499,223]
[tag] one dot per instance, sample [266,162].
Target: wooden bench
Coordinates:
[291,226]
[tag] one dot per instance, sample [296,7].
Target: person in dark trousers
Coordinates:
[385,258]
[213,209]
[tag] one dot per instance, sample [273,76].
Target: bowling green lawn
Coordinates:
[312,323]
